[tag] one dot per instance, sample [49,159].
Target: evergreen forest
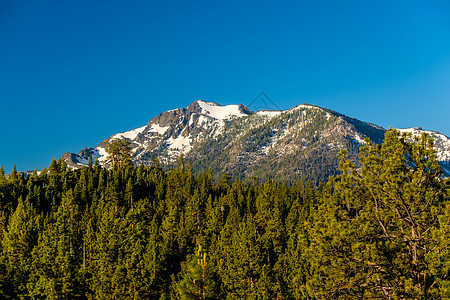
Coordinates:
[379,230]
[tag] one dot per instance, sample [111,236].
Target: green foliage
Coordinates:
[376,234]
[198,281]
[119,153]
[2,175]
[57,255]
[19,239]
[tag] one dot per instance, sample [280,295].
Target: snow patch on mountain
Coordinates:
[359,139]
[269,113]
[103,155]
[180,143]
[202,120]
[220,112]
[305,105]
[132,134]
[158,129]
[416,131]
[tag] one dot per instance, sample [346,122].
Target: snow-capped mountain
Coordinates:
[299,143]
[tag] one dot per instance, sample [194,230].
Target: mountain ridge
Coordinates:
[299,143]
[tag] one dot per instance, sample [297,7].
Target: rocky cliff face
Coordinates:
[299,143]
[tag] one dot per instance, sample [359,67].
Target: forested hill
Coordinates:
[380,230]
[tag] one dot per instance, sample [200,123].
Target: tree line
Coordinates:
[380,230]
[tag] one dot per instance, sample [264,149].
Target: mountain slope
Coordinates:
[299,143]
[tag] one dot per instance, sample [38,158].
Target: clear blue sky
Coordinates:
[72,73]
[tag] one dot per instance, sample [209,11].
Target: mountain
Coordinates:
[301,143]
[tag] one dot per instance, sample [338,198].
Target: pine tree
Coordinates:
[13,176]
[2,176]
[90,162]
[119,153]
[373,234]
[197,282]
[53,169]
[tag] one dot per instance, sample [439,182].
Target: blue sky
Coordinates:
[72,73]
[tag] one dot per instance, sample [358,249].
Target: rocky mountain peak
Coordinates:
[300,143]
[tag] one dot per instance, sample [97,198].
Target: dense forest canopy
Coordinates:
[381,230]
